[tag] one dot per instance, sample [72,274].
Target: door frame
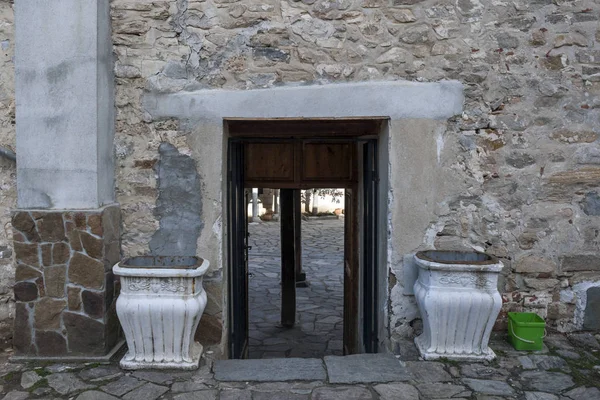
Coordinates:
[365,265]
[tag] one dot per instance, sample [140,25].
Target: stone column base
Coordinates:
[64,291]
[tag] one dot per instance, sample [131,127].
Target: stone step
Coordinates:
[358,368]
[270,370]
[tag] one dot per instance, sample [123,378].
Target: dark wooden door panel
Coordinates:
[269,162]
[327,161]
[238,253]
[350,274]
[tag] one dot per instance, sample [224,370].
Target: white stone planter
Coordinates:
[159,307]
[458,298]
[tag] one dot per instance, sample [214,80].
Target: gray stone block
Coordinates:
[489,387]
[365,368]
[274,370]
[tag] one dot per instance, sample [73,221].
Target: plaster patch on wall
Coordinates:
[577,295]
[179,204]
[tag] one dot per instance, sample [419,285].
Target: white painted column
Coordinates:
[255,217]
[315,207]
[65,104]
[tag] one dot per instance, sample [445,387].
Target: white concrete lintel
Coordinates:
[394,99]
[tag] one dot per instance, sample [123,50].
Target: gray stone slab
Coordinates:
[235,394]
[66,383]
[585,340]
[29,378]
[584,393]
[489,387]
[197,395]
[540,396]
[188,386]
[543,381]
[341,393]
[149,391]
[591,317]
[440,390]
[270,370]
[95,395]
[101,373]
[16,395]
[365,368]
[154,376]
[396,391]
[278,396]
[122,385]
[428,371]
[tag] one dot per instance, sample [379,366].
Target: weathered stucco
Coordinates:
[515,175]
[8,191]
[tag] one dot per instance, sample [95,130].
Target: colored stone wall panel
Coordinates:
[26,291]
[60,253]
[86,335]
[22,337]
[86,271]
[59,285]
[27,253]
[50,343]
[25,272]
[74,298]
[94,247]
[55,278]
[94,222]
[51,227]
[23,222]
[48,312]
[47,254]
[75,240]
[93,303]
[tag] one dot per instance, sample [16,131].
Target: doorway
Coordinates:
[295,154]
[318,327]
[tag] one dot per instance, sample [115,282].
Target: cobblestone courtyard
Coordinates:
[567,369]
[319,316]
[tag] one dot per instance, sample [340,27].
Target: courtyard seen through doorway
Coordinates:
[318,328]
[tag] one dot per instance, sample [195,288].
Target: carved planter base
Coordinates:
[459,302]
[160,306]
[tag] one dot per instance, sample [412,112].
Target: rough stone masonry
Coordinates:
[526,146]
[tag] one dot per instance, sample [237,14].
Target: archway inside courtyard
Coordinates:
[293,155]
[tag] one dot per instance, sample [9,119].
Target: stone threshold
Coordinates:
[112,355]
[357,368]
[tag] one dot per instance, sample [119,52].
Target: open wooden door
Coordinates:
[369,251]
[350,273]
[238,252]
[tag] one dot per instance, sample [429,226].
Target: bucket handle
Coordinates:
[520,338]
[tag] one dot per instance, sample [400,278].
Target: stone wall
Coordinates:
[7,169]
[526,147]
[64,287]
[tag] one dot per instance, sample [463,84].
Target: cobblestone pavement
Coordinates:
[320,306]
[568,369]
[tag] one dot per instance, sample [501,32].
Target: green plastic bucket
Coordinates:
[526,331]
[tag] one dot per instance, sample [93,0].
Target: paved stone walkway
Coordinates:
[320,306]
[568,369]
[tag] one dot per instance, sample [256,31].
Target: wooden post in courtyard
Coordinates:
[288,259]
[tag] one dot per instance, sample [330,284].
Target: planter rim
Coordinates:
[176,271]
[425,260]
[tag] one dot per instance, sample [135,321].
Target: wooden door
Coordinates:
[238,252]
[350,274]
[369,251]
